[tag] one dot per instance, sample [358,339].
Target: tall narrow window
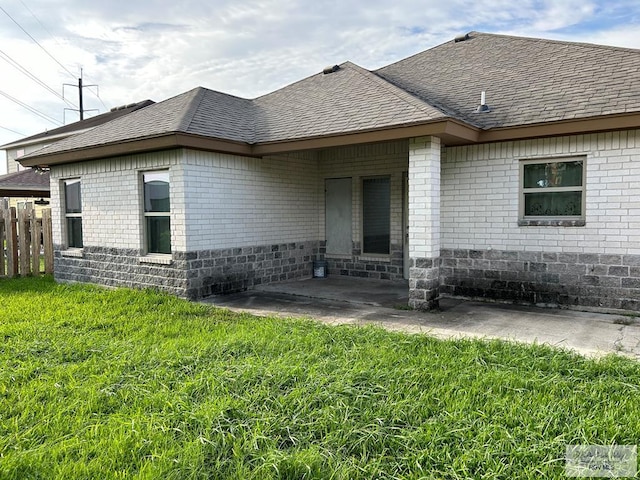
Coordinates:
[376,215]
[156,212]
[73,213]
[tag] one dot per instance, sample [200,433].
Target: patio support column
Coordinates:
[424,222]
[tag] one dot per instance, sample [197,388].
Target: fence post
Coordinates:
[12,241]
[24,241]
[47,240]
[35,225]
[3,244]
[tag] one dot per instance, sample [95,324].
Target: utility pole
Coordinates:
[80,88]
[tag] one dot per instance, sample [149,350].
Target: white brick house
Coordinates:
[393,174]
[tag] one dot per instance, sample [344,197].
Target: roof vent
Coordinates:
[483,107]
[461,38]
[331,69]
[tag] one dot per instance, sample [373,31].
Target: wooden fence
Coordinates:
[26,242]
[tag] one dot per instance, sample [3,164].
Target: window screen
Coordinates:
[376,215]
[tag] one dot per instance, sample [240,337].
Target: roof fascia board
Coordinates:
[6,191]
[565,127]
[466,134]
[165,142]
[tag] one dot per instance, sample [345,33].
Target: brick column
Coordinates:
[424,222]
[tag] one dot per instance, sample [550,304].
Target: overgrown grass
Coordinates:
[118,384]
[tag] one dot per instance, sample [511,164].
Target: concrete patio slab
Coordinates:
[346,300]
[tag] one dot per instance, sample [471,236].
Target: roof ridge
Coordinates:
[398,92]
[194,103]
[551,40]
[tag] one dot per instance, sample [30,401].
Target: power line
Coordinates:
[26,72]
[41,24]
[31,109]
[33,77]
[97,94]
[12,131]
[36,42]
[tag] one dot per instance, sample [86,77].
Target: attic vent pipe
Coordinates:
[483,107]
[461,38]
[331,69]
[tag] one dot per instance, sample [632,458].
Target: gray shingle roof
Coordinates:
[198,111]
[87,123]
[25,183]
[527,81]
[348,100]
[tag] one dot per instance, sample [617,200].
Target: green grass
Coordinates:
[121,384]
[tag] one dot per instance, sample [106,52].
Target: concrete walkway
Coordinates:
[345,300]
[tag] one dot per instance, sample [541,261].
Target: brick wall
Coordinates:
[112,202]
[480,196]
[487,254]
[569,279]
[248,221]
[239,201]
[192,274]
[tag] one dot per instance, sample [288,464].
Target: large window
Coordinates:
[552,189]
[73,213]
[376,215]
[157,230]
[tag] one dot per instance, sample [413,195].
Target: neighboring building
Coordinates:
[396,173]
[30,184]
[26,186]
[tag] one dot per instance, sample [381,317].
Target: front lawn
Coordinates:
[98,383]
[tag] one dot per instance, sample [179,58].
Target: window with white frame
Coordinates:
[73,212]
[553,189]
[157,208]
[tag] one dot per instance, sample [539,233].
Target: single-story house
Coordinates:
[489,166]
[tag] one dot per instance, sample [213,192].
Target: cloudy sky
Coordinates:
[155,49]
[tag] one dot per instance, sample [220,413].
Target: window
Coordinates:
[552,190]
[73,212]
[157,228]
[376,215]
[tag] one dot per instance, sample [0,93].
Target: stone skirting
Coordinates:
[424,283]
[191,274]
[117,267]
[388,267]
[231,270]
[564,279]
